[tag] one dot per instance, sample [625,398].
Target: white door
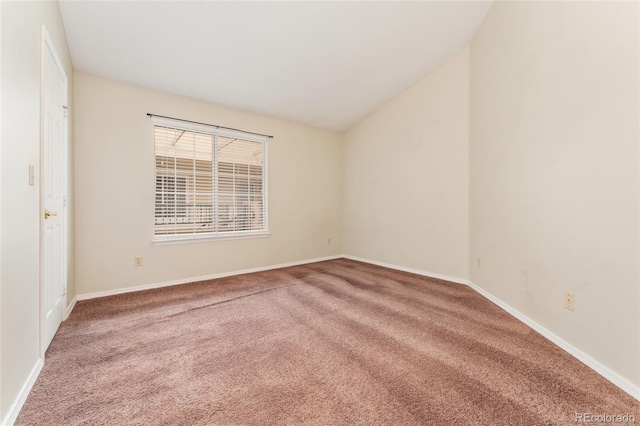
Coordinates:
[53,190]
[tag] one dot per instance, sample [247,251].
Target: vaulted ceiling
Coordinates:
[324,64]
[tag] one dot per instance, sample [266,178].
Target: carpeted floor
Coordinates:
[330,343]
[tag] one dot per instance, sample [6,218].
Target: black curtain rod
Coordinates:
[212,125]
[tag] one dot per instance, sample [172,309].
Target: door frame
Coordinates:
[46,45]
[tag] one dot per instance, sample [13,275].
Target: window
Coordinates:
[210,182]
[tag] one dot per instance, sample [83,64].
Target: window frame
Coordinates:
[222,132]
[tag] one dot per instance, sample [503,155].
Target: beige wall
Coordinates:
[114,159]
[554,170]
[20,203]
[406,176]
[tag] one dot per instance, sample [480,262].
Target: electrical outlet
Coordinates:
[568,300]
[329,241]
[137,261]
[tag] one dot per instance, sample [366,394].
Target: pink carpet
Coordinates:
[330,343]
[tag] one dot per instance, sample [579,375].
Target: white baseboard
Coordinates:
[95,295]
[72,305]
[604,371]
[413,271]
[12,415]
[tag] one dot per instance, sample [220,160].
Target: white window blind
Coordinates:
[209,182]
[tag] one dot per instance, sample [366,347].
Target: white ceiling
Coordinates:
[325,64]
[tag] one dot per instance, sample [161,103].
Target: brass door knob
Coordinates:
[47,213]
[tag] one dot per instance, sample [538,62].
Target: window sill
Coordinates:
[188,239]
